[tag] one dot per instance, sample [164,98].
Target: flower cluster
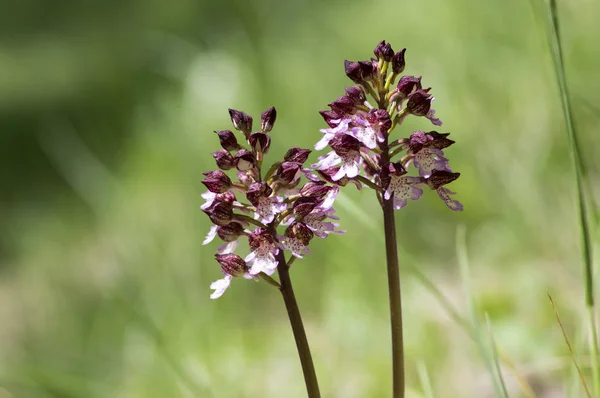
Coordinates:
[359,133]
[254,207]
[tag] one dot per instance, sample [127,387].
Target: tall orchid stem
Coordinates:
[393,271]
[287,291]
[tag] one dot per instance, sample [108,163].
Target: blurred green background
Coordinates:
[106,116]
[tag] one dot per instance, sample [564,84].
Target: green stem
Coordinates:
[368,183]
[269,280]
[393,271]
[287,291]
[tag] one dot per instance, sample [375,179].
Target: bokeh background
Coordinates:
[106,116]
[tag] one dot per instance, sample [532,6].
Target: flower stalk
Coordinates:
[395,296]
[291,305]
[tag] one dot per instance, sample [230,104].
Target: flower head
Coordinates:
[274,194]
[360,128]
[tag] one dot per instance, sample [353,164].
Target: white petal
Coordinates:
[219,286]
[212,232]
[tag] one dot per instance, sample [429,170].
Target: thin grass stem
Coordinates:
[494,351]
[564,333]
[579,169]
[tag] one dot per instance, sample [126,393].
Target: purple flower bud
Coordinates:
[220,213]
[224,159]
[288,172]
[232,264]
[260,142]
[420,139]
[439,140]
[217,181]
[241,121]
[408,85]
[398,63]
[304,205]
[356,94]
[258,190]
[316,189]
[228,140]
[384,50]
[439,178]
[381,118]
[244,160]
[342,144]
[230,232]
[258,237]
[267,119]
[299,231]
[297,155]
[343,105]
[329,116]
[419,103]
[359,72]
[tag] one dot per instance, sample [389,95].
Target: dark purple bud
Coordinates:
[398,63]
[217,181]
[342,144]
[244,160]
[343,106]
[299,231]
[329,116]
[258,237]
[298,155]
[419,103]
[257,191]
[359,72]
[241,121]
[420,139]
[224,159]
[381,118]
[232,264]
[230,232]
[356,94]
[267,119]
[408,85]
[220,213]
[288,172]
[440,140]
[228,140]
[260,142]
[304,205]
[384,50]
[439,178]
[317,189]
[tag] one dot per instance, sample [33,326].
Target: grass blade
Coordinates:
[495,355]
[569,346]
[461,249]
[424,379]
[553,31]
